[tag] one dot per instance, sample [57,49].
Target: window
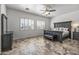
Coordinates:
[26,24]
[40,24]
[31,24]
[22,23]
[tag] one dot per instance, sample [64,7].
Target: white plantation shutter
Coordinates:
[31,24]
[26,24]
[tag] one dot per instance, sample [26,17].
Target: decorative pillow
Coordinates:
[61,29]
[56,29]
[65,29]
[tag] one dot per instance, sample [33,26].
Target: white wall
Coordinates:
[13,24]
[72,16]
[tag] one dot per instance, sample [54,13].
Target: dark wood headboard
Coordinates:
[66,24]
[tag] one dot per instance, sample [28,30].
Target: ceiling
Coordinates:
[33,8]
[36,8]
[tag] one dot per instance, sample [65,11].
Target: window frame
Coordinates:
[26,27]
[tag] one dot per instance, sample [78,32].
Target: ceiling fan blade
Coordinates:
[47,14]
[52,10]
[42,10]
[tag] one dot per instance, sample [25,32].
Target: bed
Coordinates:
[65,27]
[61,29]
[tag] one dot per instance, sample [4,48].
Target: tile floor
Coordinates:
[42,46]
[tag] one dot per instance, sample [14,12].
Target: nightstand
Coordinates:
[76,35]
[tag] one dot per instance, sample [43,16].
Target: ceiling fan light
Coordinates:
[46,13]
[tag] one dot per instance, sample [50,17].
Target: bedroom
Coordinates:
[28,23]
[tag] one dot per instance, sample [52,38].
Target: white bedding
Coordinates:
[65,33]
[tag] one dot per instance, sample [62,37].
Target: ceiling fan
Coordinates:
[47,11]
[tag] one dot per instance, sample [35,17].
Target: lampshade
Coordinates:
[74,26]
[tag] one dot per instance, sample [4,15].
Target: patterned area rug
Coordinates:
[42,46]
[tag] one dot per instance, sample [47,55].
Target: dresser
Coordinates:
[76,35]
[7,41]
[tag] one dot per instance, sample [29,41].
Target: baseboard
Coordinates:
[29,37]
